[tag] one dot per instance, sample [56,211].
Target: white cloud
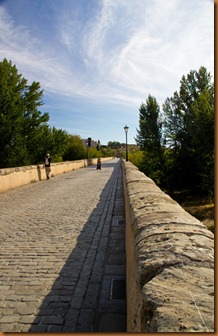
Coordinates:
[119,54]
[160,44]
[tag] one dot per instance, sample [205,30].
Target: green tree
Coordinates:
[75,149]
[21,123]
[136,157]
[57,143]
[12,87]
[107,151]
[202,133]
[189,130]
[114,144]
[34,128]
[149,138]
[173,126]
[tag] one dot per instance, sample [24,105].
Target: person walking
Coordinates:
[47,164]
[99,163]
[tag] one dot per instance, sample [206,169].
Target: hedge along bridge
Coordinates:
[169,259]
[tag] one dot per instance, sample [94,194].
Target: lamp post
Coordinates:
[126,128]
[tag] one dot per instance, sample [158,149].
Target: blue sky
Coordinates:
[98,60]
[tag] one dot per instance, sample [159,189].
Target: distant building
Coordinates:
[93,143]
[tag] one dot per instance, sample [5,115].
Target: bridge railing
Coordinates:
[170,261]
[15,177]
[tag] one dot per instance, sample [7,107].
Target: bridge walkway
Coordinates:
[62,253]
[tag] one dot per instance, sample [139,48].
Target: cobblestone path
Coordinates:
[60,248]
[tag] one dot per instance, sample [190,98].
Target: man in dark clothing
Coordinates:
[47,163]
[98,163]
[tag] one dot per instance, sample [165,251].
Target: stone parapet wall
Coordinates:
[170,261]
[15,177]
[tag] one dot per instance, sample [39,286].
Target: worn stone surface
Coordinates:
[55,241]
[170,270]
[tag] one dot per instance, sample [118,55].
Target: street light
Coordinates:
[126,128]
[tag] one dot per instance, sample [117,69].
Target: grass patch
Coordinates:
[199,206]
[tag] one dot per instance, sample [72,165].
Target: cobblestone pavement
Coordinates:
[62,253]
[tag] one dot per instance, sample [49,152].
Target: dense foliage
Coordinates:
[178,144]
[114,144]
[149,139]
[175,145]
[25,134]
[22,125]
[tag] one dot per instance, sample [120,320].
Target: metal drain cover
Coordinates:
[120,222]
[118,290]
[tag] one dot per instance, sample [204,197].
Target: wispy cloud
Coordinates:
[123,46]
[108,52]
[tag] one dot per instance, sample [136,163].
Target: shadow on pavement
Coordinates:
[74,299]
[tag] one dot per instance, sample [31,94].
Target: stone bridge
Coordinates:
[101,251]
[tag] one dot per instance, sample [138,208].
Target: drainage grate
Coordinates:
[120,222]
[118,290]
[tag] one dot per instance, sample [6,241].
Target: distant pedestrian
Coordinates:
[99,163]
[47,163]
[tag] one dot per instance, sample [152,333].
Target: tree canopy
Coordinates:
[189,129]
[177,143]
[149,137]
[183,142]
[22,125]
